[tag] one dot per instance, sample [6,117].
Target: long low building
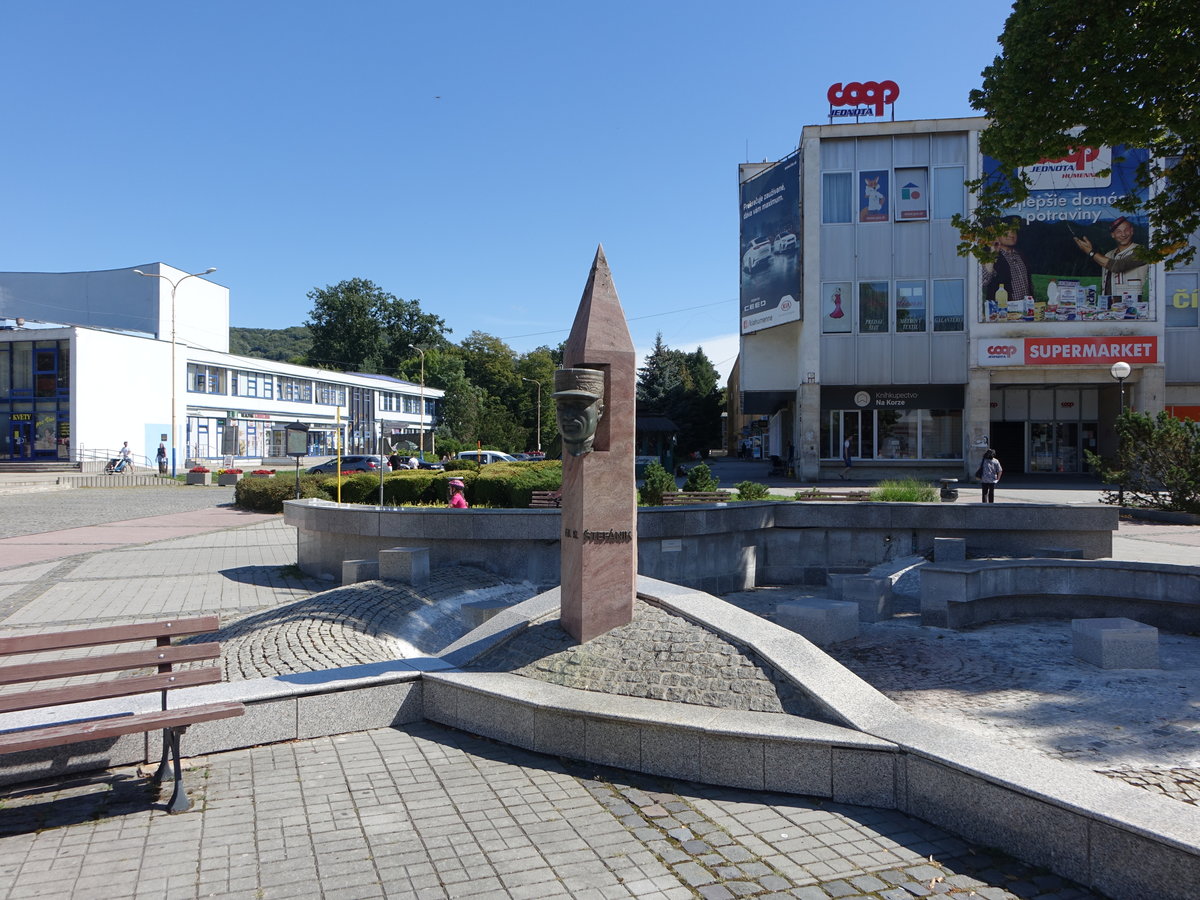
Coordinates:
[90,360]
[865,334]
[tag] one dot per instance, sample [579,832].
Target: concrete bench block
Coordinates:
[1058,552]
[836,577]
[872,594]
[823,622]
[408,565]
[949,549]
[356,570]
[1115,643]
[476,613]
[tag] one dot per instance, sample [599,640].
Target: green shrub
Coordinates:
[511,485]
[1157,464]
[410,487]
[657,481]
[905,490]
[752,490]
[460,465]
[267,494]
[701,478]
[361,487]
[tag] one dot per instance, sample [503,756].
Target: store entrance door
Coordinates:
[22,440]
[1008,440]
[1054,447]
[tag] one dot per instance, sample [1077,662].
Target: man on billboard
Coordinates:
[1123,271]
[1009,274]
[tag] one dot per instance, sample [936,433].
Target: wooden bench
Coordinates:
[679,498]
[822,494]
[128,682]
[546,500]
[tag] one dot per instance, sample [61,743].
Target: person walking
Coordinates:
[125,455]
[989,474]
[161,458]
[458,499]
[847,460]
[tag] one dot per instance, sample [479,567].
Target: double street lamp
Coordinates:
[174,287]
[539,410]
[1120,371]
[421,420]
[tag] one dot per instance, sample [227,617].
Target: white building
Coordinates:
[87,362]
[923,358]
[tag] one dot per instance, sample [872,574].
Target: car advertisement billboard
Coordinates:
[1071,255]
[770,246]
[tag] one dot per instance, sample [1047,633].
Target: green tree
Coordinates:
[357,326]
[538,365]
[1089,74]
[683,387]
[1157,465]
[290,344]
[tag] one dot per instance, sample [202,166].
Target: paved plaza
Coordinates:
[426,811]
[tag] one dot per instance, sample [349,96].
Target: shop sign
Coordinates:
[896,396]
[861,98]
[1068,351]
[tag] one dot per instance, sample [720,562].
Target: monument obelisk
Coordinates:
[595,396]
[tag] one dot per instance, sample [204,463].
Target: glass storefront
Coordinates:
[1045,430]
[35,401]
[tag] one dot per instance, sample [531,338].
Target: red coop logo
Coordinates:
[864,98]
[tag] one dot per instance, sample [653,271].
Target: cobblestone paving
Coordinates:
[427,812]
[658,655]
[372,621]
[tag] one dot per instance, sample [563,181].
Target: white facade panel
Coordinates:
[911,250]
[837,258]
[910,359]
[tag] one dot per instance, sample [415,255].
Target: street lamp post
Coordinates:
[174,286]
[421,420]
[539,410]
[1120,371]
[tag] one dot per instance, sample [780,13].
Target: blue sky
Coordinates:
[468,155]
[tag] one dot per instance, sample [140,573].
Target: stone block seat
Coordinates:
[1115,643]
[823,622]
[962,594]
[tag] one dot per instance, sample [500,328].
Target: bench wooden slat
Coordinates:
[675,498]
[109,634]
[112,662]
[545,500]
[105,690]
[101,729]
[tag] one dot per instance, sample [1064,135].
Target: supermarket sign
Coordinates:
[1068,351]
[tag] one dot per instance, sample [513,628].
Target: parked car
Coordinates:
[757,253]
[483,457]
[351,464]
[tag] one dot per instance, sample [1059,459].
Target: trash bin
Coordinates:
[949,490]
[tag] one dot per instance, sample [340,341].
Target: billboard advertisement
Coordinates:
[1071,255]
[770,247]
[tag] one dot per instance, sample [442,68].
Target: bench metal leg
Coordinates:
[174,772]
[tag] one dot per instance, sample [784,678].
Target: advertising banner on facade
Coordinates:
[1071,255]
[894,396]
[770,245]
[873,196]
[912,194]
[1068,351]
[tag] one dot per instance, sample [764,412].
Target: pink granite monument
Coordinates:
[594,394]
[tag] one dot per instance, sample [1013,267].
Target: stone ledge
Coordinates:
[956,595]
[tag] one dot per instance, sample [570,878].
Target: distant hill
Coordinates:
[279,344]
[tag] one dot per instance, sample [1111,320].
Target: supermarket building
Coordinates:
[860,321]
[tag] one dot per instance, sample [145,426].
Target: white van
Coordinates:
[483,457]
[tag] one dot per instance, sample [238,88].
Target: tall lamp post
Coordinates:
[174,286]
[421,420]
[1120,371]
[539,410]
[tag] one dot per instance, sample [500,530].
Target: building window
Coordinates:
[203,379]
[1183,301]
[949,191]
[837,198]
[836,311]
[873,307]
[295,390]
[330,394]
[908,434]
[949,304]
[910,306]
